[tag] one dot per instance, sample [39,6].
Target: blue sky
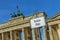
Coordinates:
[51,7]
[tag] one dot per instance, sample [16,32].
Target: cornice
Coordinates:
[54,16]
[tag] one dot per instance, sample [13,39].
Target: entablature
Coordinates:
[54,19]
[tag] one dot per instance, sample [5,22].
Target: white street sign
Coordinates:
[38,22]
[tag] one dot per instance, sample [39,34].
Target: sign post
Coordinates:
[37,23]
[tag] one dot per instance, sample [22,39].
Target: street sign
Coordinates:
[38,22]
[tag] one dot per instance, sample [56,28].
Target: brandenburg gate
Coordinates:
[11,29]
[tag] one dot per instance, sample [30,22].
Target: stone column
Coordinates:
[23,35]
[11,35]
[2,36]
[59,30]
[50,33]
[45,32]
[37,34]
[33,34]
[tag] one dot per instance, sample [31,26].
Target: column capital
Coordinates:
[50,26]
[22,29]
[59,25]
